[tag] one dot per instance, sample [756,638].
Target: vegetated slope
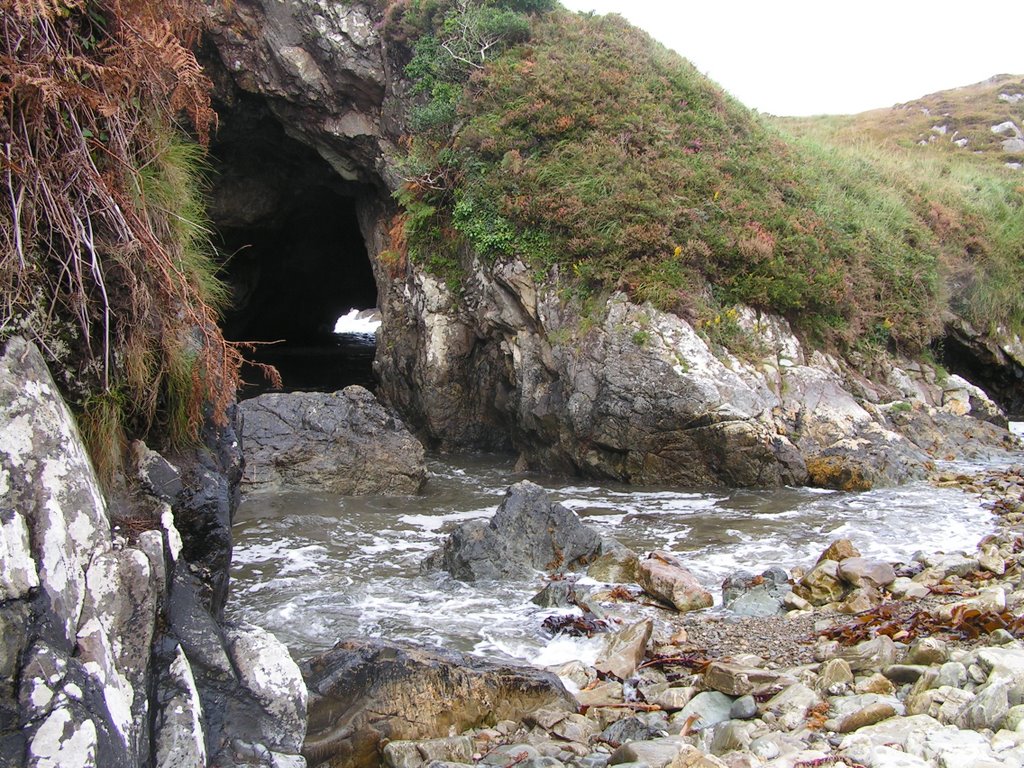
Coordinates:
[605,161]
[956,157]
[104,255]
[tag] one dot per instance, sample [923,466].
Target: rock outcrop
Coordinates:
[620,391]
[364,693]
[112,652]
[527,533]
[342,442]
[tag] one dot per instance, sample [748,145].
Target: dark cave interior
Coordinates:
[294,255]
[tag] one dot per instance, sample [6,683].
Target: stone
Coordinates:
[576,728]
[508,755]
[180,738]
[792,705]
[424,693]
[624,650]
[340,442]
[267,671]
[739,680]
[616,564]
[876,683]
[861,571]
[656,753]
[869,715]
[730,736]
[691,757]
[560,593]
[670,698]
[906,587]
[834,674]
[664,577]
[413,754]
[871,655]
[927,651]
[628,729]
[703,711]
[748,595]
[839,550]
[821,585]
[904,673]
[527,533]
[744,708]
[604,694]
[987,709]
[893,731]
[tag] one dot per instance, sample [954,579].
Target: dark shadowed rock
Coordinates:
[527,533]
[365,692]
[342,442]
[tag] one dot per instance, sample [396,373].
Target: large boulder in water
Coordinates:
[364,693]
[527,533]
[342,442]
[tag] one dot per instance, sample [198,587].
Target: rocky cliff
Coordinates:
[506,361]
[114,652]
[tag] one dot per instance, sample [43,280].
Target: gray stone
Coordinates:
[657,753]
[669,697]
[904,673]
[663,576]
[791,705]
[730,736]
[180,738]
[341,442]
[508,755]
[927,650]
[744,708]
[628,729]
[988,709]
[871,655]
[616,564]
[413,754]
[703,711]
[527,533]
[740,680]
[764,595]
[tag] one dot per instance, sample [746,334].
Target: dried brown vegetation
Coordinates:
[104,255]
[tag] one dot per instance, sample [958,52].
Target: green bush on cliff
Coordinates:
[600,158]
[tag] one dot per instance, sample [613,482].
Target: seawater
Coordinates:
[314,568]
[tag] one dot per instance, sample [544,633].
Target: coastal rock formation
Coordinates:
[340,442]
[364,693]
[611,390]
[112,652]
[527,533]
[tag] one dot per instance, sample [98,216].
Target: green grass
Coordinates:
[605,161]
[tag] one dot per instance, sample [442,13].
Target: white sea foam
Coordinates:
[358,322]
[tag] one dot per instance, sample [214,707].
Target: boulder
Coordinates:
[340,442]
[663,576]
[749,595]
[527,533]
[740,680]
[839,550]
[821,584]
[365,692]
[862,571]
[625,649]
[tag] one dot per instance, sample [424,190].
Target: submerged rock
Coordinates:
[341,442]
[366,692]
[527,533]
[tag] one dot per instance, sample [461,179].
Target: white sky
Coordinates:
[802,57]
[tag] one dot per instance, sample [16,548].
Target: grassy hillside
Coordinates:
[607,162]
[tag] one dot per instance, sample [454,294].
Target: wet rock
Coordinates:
[749,595]
[560,593]
[364,691]
[605,694]
[341,442]
[670,698]
[179,731]
[624,650]
[616,564]
[861,572]
[527,533]
[663,576]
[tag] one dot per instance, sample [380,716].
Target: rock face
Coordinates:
[625,392]
[364,692]
[527,533]
[112,654]
[341,442]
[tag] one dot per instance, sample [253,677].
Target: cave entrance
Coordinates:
[295,256]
